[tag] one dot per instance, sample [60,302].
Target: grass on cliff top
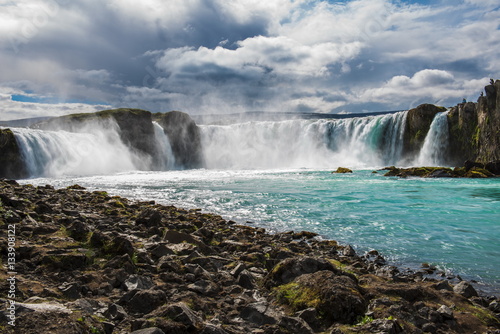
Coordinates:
[104,114]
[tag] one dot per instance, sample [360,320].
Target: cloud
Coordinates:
[205,56]
[431,85]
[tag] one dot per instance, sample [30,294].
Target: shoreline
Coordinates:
[117,265]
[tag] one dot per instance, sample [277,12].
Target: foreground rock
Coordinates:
[88,262]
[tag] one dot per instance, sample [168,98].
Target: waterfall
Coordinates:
[436,143]
[360,142]
[58,153]
[354,142]
[166,158]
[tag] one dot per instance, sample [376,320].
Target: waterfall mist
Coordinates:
[95,149]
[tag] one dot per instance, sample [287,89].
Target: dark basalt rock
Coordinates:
[135,126]
[184,136]
[108,272]
[418,122]
[11,161]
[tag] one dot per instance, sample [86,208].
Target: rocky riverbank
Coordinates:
[87,262]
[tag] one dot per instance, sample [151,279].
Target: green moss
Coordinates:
[363,320]
[297,296]
[476,136]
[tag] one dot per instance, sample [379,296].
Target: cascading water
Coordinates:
[354,142]
[361,142]
[436,143]
[57,153]
[166,158]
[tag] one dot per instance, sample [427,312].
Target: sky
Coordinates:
[227,56]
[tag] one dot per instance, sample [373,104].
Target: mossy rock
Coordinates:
[336,298]
[342,170]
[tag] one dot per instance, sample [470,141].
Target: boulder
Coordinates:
[342,170]
[12,165]
[145,301]
[149,217]
[465,289]
[287,270]
[338,298]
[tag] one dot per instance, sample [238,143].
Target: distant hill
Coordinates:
[23,123]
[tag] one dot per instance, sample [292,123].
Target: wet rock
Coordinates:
[181,312]
[465,289]
[204,287]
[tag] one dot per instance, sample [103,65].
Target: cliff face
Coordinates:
[11,161]
[418,122]
[488,117]
[135,126]
[184,136]
[475,128]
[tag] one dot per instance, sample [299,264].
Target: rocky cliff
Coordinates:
[11,162]
[184,136]
[135,126]
[475,128]
[418,122]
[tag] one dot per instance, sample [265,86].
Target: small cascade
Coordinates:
[166,158]
[59,153]
[436,143]
[354,142]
